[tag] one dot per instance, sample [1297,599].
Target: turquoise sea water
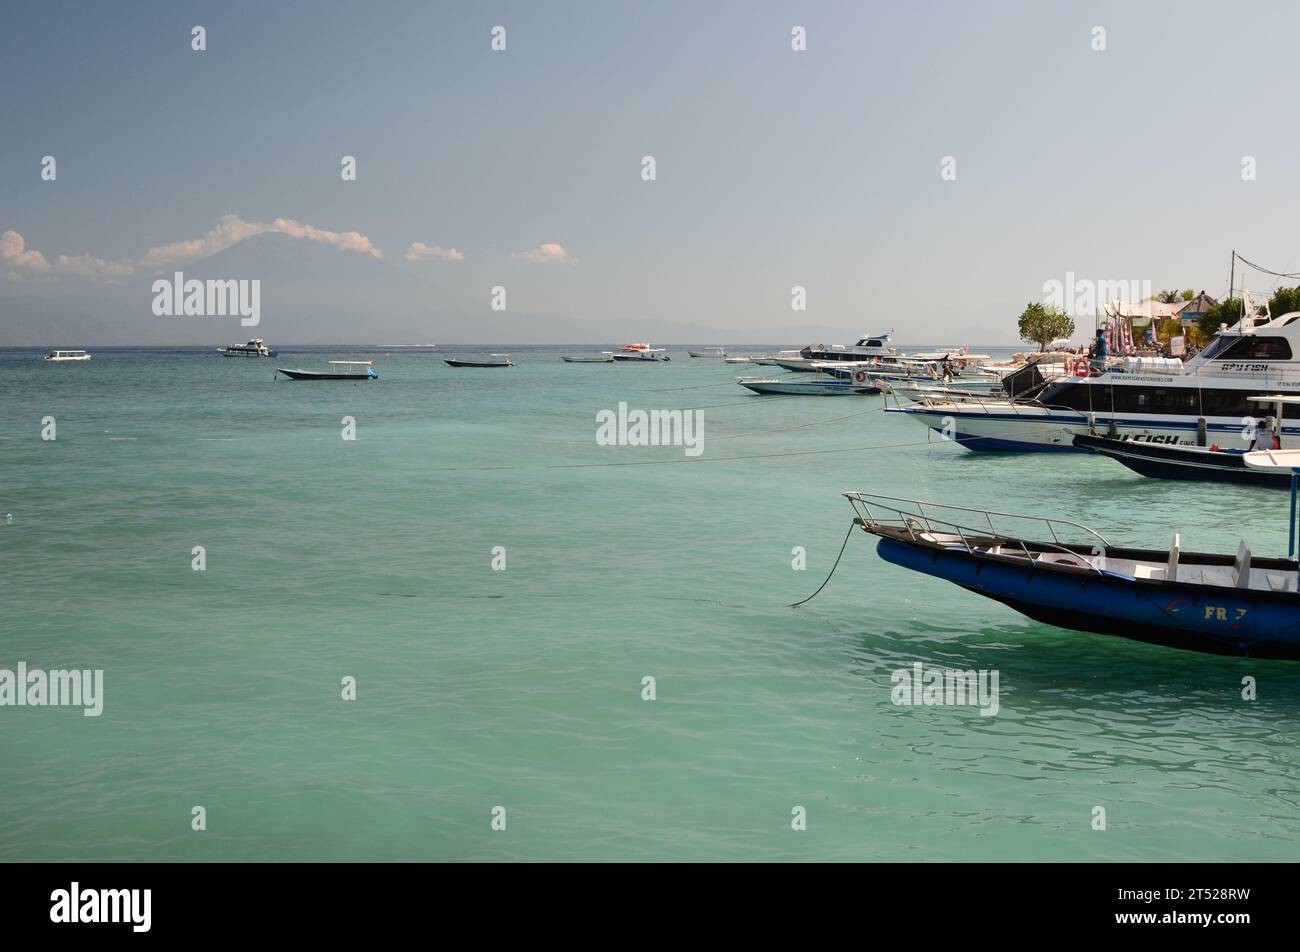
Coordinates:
[522,688]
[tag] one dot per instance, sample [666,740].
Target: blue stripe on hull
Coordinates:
[1196,617]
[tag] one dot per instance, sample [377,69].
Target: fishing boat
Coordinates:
[636,352]
[1157,399]
[1236,604]
[368,373]
[708,352]
[815,387]
[61,356]
[604,358]
[501,360]
[254,348]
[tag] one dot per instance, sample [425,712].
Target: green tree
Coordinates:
[1041,324]
[1283,301]
[1168,297]
[1188,294]
[1225,312]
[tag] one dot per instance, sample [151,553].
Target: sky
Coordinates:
[822,168]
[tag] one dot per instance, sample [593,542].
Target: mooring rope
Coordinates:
[847,535]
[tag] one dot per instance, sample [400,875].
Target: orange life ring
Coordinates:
[860,376]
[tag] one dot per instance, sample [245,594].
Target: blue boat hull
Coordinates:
[1195,617]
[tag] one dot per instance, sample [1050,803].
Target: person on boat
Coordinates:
[1099,350]
[1266,437]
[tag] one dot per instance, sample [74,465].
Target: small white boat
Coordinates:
[604,358]
[60,356]
[740,360]
[708,352]
[771,360]
[254,348]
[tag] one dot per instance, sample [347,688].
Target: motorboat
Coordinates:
[740,360]
[1072,577]
[873,346]
[708,352]
[806,387]
[348,370]
[1158,399]
[1248,462]
[254,348]
[642,351]
[771,360]
[499,360]
[62,356]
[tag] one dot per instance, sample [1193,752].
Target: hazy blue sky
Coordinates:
[774,167]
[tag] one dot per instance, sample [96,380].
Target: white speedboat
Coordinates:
[1165,401]
[708,352]
[807,387]
[254,348]
[59,356]
[771,360]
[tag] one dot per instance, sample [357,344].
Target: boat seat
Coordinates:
[1241,566]
[1149,571]
[1278,582]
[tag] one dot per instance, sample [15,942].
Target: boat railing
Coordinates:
[918,517]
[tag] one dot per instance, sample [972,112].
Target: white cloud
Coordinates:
[547,253]
[90,266]
[419,251]
[19,260]
[14,253]
[232,229]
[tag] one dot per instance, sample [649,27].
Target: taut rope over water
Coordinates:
[852,526]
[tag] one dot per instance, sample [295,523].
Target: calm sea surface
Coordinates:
[522,688]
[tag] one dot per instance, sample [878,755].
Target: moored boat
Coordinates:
[641,352]
[63,356]
[604,358]
[367,374]
[708,352]
[254,348]
[501,360]
[1236,604]
[804,387]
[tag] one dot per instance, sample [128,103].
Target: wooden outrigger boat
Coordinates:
[1220,603]
[502,361]
[367,374]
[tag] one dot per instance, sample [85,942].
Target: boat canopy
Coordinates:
[1288,398]
[362,363]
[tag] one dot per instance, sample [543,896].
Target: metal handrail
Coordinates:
[907,521]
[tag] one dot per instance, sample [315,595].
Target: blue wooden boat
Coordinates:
[1234,604]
